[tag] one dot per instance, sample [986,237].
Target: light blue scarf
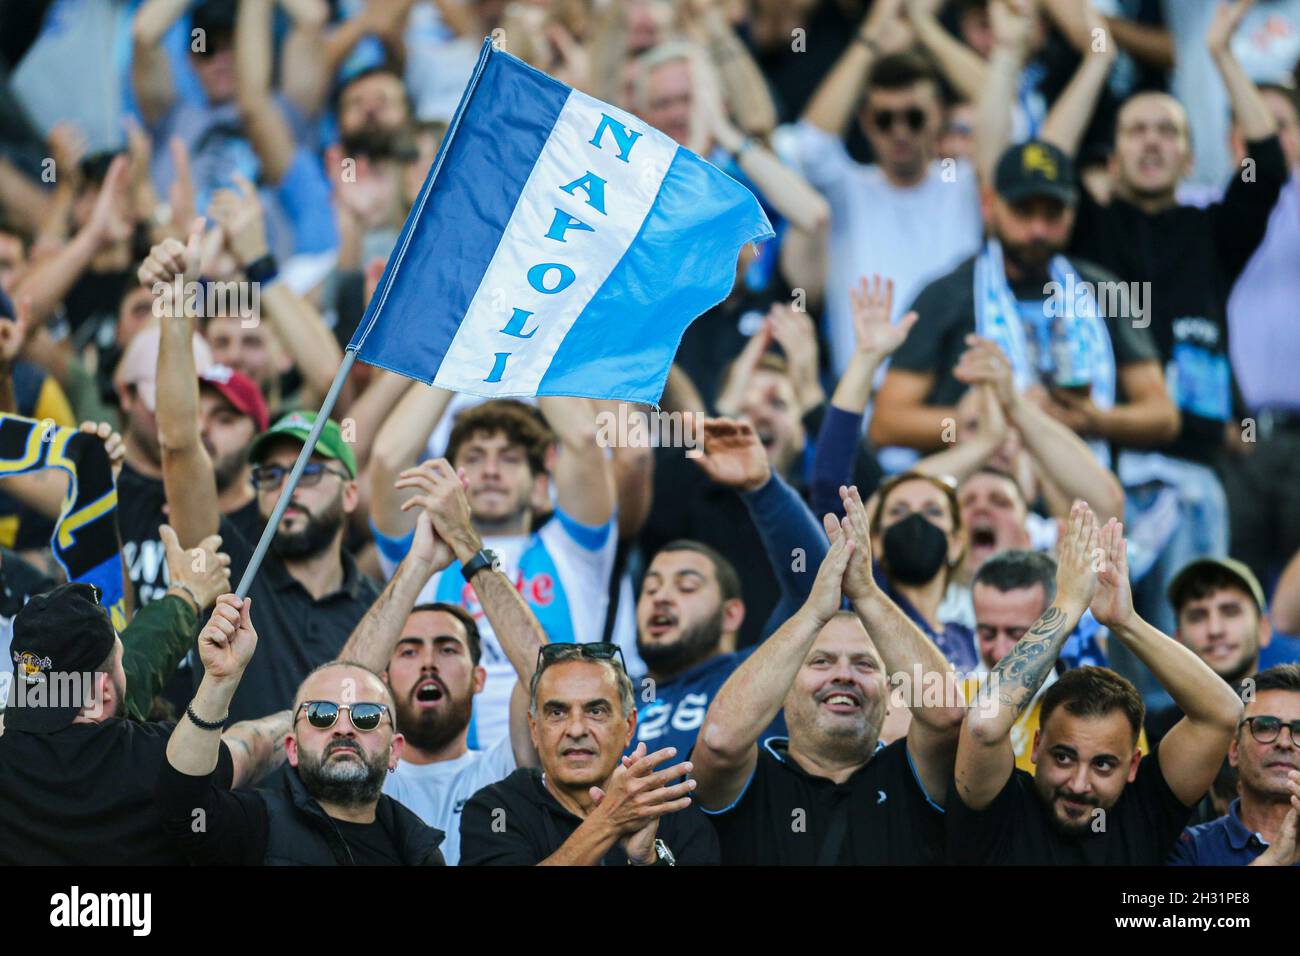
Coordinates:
[1085,338]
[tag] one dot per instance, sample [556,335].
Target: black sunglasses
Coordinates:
[324,714]
[913,116]
[268,477]
[549,654]
[1268,729]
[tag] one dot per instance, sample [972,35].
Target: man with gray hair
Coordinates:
[588,804]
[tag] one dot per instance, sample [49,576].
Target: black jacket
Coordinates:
[516,822]
[300,833]
[283,825]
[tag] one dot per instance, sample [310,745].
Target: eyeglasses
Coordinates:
[1268,729]
[324,714]
[268,477]
[549,654]
[913,116]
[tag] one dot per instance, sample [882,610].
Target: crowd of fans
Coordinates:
[988,550]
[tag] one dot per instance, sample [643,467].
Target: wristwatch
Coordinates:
[485,558]
[663,856]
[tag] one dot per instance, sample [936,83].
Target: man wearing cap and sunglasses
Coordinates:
[329,808]
[588,805]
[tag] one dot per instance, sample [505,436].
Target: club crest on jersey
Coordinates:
[31,669]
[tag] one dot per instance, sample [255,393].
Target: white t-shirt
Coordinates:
[912,235]
[562,572]
[436,792]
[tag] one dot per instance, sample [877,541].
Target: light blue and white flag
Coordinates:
[559,246]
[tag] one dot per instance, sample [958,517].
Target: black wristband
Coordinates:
[263,271]
[201,723]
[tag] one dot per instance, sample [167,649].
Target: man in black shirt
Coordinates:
[1092,799]
[329,808]
[1020,293]
[832,793]
[76,776]
[588,805]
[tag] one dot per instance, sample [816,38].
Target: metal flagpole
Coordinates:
[308,446]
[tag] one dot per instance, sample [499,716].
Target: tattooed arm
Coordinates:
[257,747]
[985,759]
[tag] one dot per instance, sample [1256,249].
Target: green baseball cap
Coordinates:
[298,425]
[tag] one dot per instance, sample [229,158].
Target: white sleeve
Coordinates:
[823,160]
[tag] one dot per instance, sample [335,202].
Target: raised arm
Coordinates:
[726,750]
[882,32]
[1248,107]
[303,78]
[963,68]
[1070,115]
[1011,25]
[397,447]
[151,73]
[298,327]
[1154,46]
[440,493]
[985,758]
[48,280]
[1286,598]
[1192,752]
[584,477]
[226,645]
[263,121]
[741,79]
[160,634]
[932,736]
[188,477]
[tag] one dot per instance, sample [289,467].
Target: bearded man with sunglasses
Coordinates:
[588,805]
[329,808]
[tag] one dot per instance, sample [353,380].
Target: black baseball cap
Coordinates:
[1034,169]
[65,631]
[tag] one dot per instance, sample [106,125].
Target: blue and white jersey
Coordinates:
[562,571]
[671,713]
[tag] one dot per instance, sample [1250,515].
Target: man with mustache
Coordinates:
[1260,827]
[1092,799]
[430,655]
[832,793]
[329,808]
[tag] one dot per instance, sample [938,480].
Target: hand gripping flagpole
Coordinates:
[304,456]
[350,356]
